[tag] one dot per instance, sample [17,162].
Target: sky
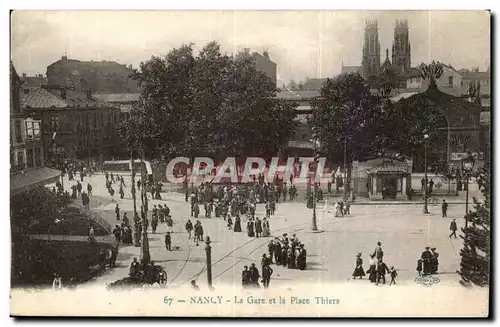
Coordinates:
[304,44]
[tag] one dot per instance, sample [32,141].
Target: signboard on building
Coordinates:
[457,156]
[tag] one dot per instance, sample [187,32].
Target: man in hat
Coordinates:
[254,275]
[270,247]
[267,271]
[453,228]
[444,208]
[135,268]
[382,269]
[265,261]
[378,253]
[168,241]
[426,260]
[117,212]
[245,277]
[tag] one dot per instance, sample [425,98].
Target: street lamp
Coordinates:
[137,235]
[314,226]
[146,257]
[468,164]
[426,136]
[208,250]
[345,169]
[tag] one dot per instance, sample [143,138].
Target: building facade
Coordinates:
[27,158]
[401,49]
[264,64]
[75,125]
[371,50]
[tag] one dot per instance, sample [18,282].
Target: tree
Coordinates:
[347,111]
[211,104]
[34,206]
[475,254]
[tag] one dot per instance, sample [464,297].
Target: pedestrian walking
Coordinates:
[245,277]
[426,259]
[194,286]
[419,266]
[444,208]
[378,253]
[453,228]
[189,228]
[267,271]
[434,261]
[168,241]
[358,270]
[89,189]
[393,274]
[381,271]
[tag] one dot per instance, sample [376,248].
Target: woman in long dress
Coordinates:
[337,209]
[358,271]
[372,270]
[237,225]
[265,228]
[250,231]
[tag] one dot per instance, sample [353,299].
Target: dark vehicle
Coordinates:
[140,280]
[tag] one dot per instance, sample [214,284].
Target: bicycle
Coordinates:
[432,200]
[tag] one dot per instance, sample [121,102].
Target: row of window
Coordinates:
[32,128]
[33,158]
[91,119]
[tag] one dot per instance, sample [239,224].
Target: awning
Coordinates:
[300,145]
[29,179]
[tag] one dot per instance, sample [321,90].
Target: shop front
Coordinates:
[382,179]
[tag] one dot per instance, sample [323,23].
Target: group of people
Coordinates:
[250,276]
[198,231]
[147,273]
[123,231]
[377,267]
[257,227]
[428,263]
[289,253]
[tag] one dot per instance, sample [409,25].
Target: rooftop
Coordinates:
[297,95]
[45,98]
[118,97]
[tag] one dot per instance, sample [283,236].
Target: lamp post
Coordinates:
[467,167]
[314,226]
[426,136]
[146,257]
[345,169]
[208,251]
[137,235]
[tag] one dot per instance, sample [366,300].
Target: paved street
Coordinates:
[403,230]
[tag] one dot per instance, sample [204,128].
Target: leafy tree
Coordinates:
[475,254]
[346,111]
[31,207]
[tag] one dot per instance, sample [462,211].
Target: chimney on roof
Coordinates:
[266,54]
[88,94]
[63,92]
[64,58]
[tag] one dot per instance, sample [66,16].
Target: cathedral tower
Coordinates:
[401,50]
[371,50]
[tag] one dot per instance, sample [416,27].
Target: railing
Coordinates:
[108,239]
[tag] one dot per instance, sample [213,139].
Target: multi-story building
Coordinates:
[371,50]
[26,149]
[264,64]
[75,124]
[98,76]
